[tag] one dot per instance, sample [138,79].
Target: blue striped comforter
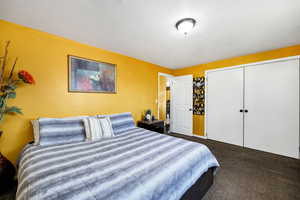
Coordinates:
[136,165]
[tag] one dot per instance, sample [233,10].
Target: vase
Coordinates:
[7,173]
[148,117]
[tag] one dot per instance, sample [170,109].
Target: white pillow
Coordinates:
[97,128]
[107,130]
[36,131]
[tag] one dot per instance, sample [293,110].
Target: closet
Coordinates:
[255,106]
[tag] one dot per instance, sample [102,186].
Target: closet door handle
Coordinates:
[246,111]
[241,110]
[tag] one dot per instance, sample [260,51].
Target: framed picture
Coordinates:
[198,95]
[87,75]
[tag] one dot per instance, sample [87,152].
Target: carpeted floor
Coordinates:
[247,174]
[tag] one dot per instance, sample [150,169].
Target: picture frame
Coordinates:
[91,76]
[198,95]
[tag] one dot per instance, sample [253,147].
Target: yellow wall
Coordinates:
[45,57]
[198,70]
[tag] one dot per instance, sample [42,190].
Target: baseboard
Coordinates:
[199,136]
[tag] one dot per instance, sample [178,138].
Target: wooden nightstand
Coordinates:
[156,125]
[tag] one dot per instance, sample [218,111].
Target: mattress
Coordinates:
[135,165]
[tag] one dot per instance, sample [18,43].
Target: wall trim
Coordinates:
[199,136]
[165,74]
[253,63]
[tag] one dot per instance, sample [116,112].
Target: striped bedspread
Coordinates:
[136,165]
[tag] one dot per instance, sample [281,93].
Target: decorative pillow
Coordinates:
[36,131]
[53,131]
[106,125]
[121,122]
[97,128]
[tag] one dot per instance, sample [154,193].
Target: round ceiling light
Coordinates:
[185,25]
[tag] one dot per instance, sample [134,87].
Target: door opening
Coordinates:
[164,99]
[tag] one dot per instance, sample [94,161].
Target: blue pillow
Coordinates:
[53,131]
[121,122]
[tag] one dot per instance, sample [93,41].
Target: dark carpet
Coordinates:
[247,174]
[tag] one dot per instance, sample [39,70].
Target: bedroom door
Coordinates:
[272,101]
[182,105]
[224,105]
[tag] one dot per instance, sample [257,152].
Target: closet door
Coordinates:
[224,100]
[272,101]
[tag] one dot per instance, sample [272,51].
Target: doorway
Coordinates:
[164,99]
[175,103]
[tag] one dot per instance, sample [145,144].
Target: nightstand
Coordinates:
[10,193]
[7,182]
[7,173]
[155,125]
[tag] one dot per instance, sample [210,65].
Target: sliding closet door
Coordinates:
[272,101]
[224,100]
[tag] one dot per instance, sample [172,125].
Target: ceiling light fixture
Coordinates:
[185,25]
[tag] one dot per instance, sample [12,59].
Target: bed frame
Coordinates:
[200,188]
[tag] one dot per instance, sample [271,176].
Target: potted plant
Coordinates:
[8,86]
[148,115]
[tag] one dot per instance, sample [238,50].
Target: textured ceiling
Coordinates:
[145,29]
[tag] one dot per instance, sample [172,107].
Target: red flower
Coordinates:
[26,77]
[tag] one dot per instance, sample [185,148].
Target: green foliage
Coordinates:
[12,110]
[11,95]
[8,85]
[1,101]
[148,112]
[8,92]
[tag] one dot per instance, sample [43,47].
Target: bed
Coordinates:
[135,165]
